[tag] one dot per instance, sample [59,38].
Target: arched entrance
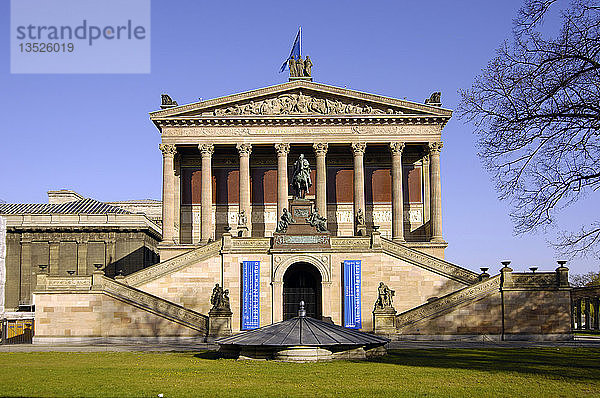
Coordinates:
[302,282]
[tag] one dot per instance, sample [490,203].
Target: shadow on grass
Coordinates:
[208,355]
[559,363]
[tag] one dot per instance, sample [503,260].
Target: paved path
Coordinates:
[179,347]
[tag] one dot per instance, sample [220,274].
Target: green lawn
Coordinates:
[547,372]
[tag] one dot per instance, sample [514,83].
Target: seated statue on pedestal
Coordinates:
[285,220]
[317,221]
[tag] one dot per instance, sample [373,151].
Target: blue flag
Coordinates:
[295,50]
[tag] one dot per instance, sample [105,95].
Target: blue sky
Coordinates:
[91,133]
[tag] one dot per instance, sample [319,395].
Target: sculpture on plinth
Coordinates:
[219,316]
[384,314]
[220,299]
[384,297]
[317,221]
[301,181]
[434,99]
[285,220]
[299,67]
[361,226]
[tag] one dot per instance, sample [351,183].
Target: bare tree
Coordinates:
[536,112]
[588,279]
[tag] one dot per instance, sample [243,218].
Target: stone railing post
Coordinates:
[562,274]
[506,275]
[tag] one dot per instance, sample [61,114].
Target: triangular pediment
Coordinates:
[302,98]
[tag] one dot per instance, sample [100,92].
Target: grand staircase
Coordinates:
[154,304]
[173,264]
[429,262]
[448,302]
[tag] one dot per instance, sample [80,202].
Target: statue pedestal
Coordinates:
[294,78]
[219,323]
[361,230]
[300,234]
[243,231]
[384,320]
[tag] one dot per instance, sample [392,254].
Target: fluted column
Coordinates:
[244,183]
[358,149]
[321,152]
[282,179]
[397,195]
[168,197]
[206,230]
[435,183]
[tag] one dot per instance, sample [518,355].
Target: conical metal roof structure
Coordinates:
[303,331]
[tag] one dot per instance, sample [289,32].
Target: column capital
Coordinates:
[320,148]
[244,149]
[397,148]
[435,147]
[359,148]
[206,149]
[168,149]
[282,149]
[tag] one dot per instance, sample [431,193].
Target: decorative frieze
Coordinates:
[300,103]
[68,283]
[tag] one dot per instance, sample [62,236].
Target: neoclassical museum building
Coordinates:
[235,214]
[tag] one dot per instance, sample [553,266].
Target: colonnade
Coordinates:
[169,206]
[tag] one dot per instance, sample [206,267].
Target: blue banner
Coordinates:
[352,310]
[250,295]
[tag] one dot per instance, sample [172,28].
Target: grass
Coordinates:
[539,372]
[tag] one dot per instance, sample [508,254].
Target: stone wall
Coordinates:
[67,250]
[192,286]
[526,310]
[535,312]
[88,316]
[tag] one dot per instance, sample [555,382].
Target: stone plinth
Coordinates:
[384,321]
[300,234]
[219,323]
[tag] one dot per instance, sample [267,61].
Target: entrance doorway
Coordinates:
[301,282]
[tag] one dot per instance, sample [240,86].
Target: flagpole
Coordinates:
[300,30]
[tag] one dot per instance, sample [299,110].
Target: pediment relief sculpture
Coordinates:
[300,103]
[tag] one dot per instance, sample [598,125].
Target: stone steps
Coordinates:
[173,264]
[448,302]
[429,262]
[154,304]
